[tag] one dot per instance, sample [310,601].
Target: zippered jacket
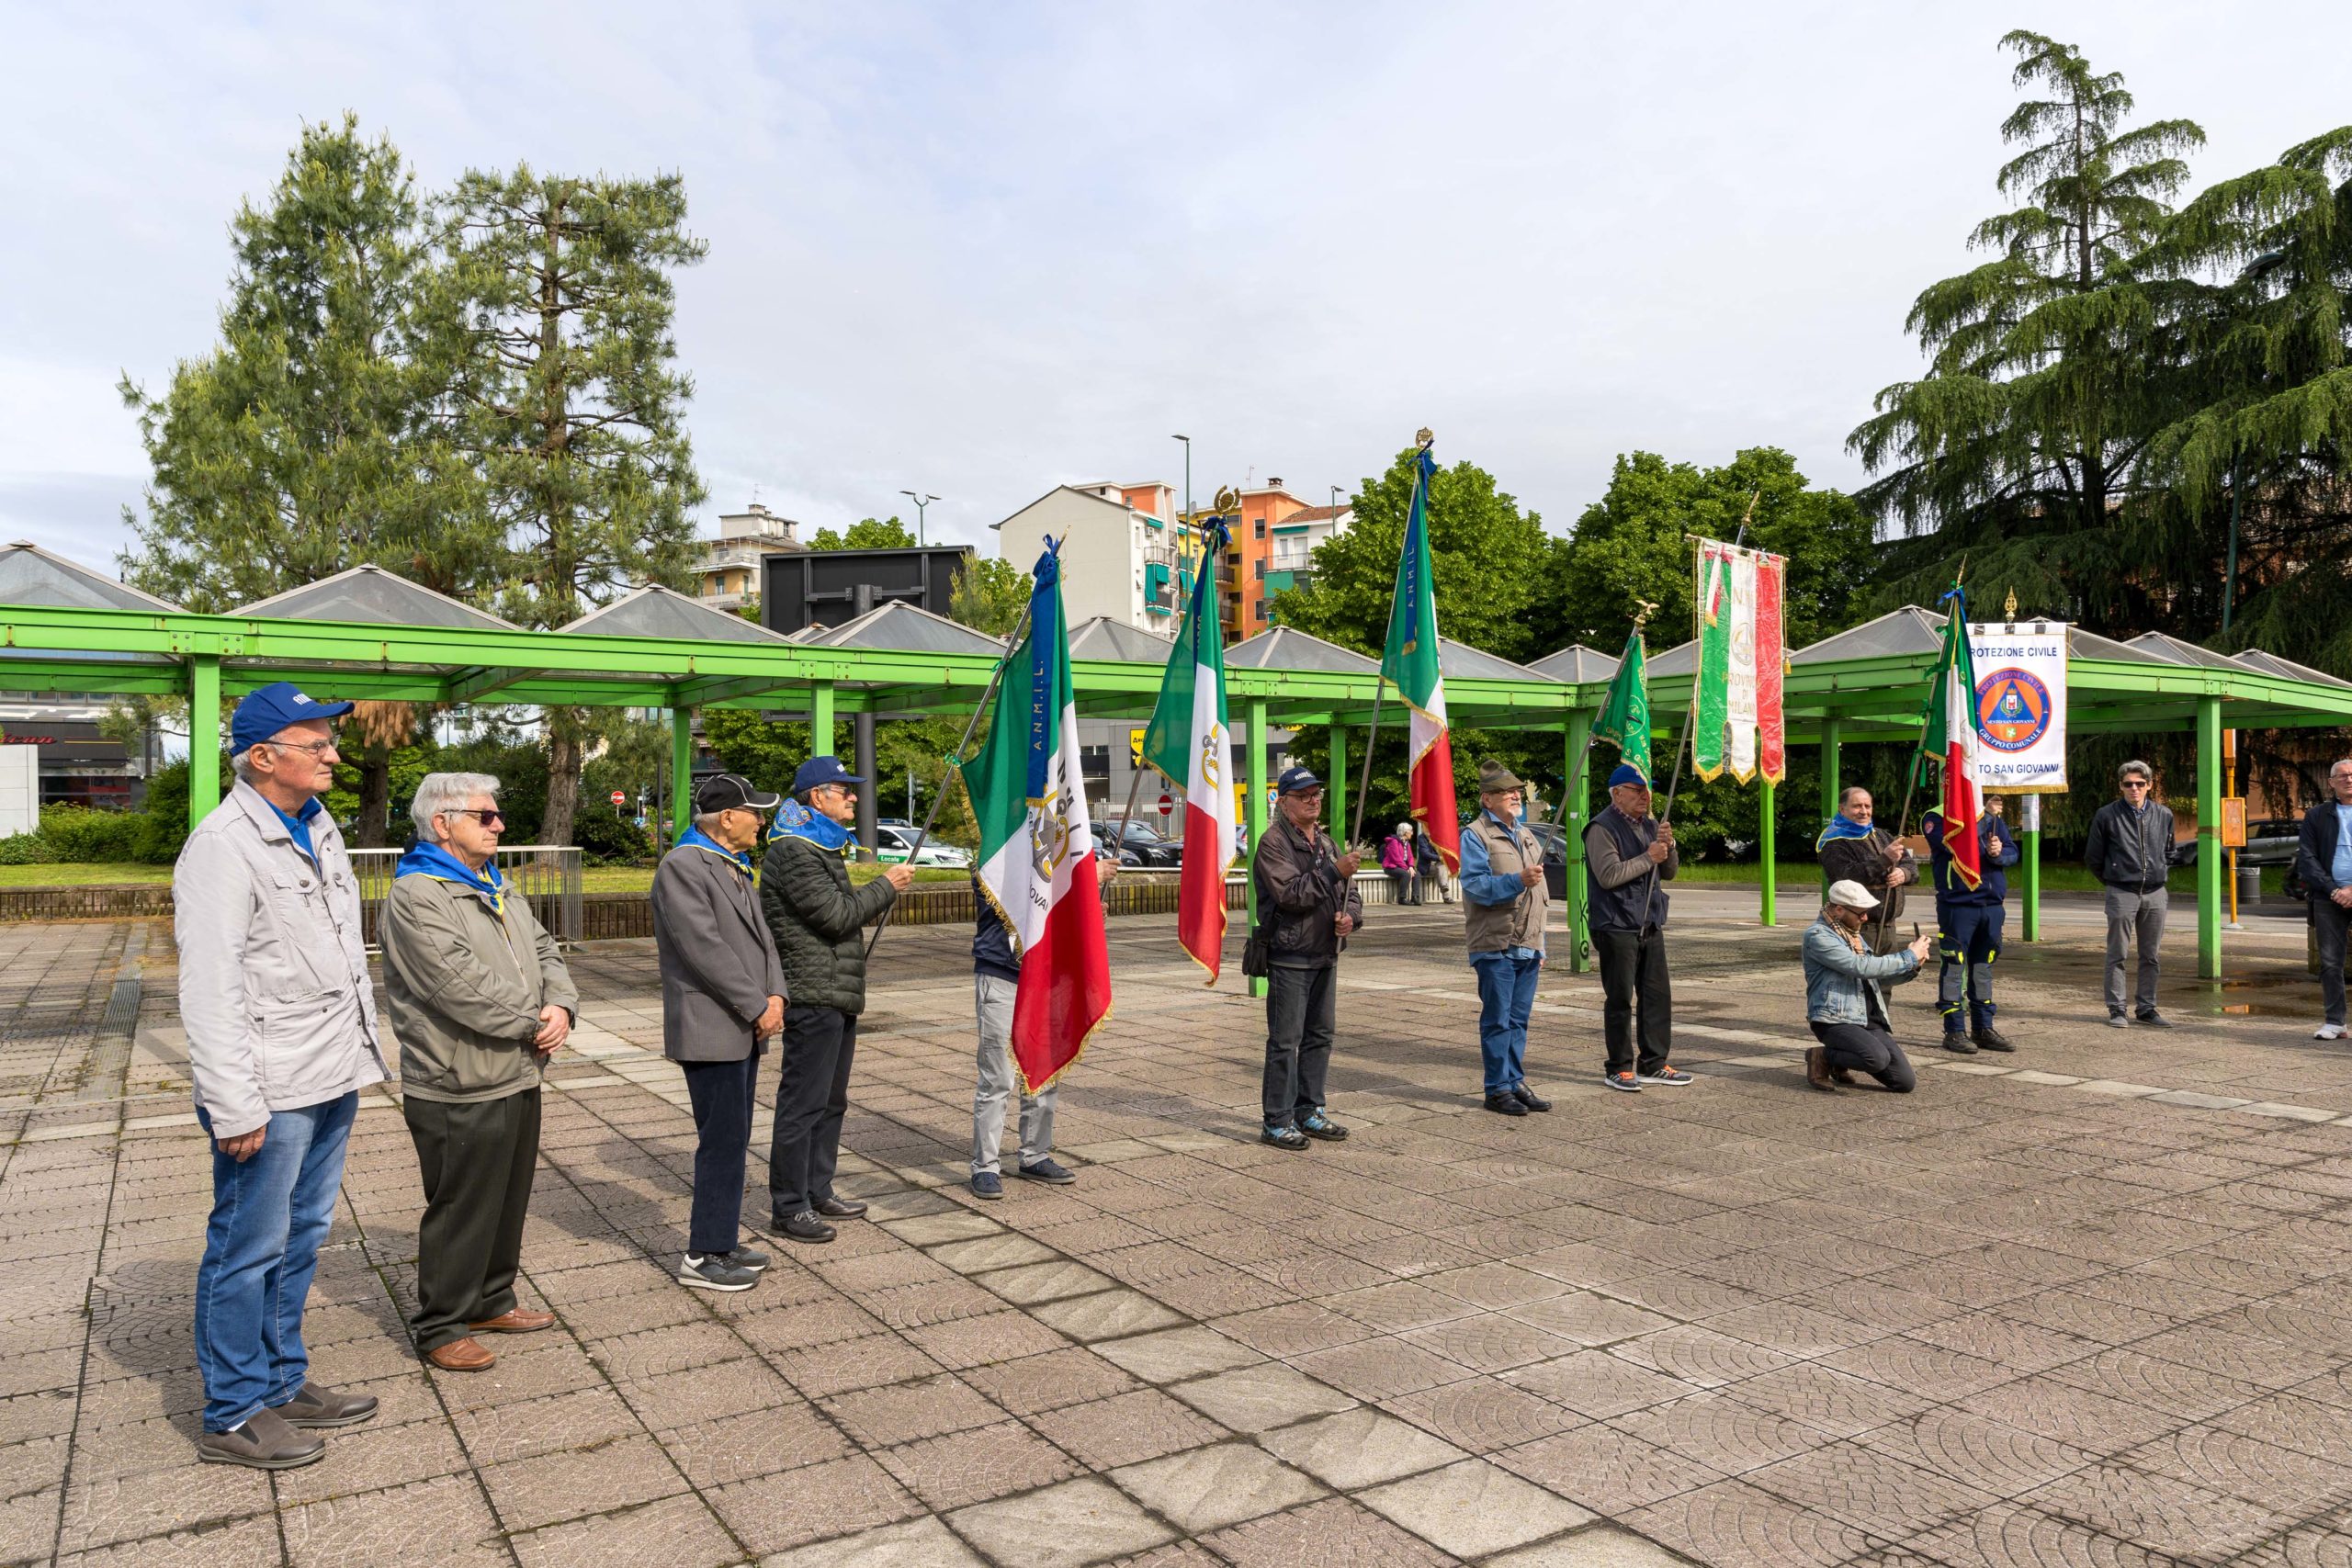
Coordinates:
[464,984]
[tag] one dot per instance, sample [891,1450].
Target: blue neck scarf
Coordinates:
[1841,826]
[433,861]
[794,820]
[695,839]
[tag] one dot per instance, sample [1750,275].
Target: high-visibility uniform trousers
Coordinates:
[1969,938]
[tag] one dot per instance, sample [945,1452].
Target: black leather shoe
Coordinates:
[1991,1039]
[805,1226]
[840,1208]
[1530,1099]
[1505,1105]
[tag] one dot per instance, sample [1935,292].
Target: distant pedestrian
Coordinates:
[1967,929]
[819,921]
[1628,854]
[1855,848]
[1307,905]
[2324,858]
[281,1036]
[1430,867]
[2130,851]
[479,998]
[1844,997]
[1396,860]
[722,997]
[1505,902]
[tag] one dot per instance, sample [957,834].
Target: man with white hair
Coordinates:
[2324,857]
[281,1037]
[480,999]
[1845,996]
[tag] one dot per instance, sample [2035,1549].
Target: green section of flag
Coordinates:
[1199,655]
[1625,720]
[1938,723]
[1713,694]
[1410,658]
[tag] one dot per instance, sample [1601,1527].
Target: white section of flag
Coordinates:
[1739,699]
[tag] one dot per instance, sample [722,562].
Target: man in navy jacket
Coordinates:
[1968,930]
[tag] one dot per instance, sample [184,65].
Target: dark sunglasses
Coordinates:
[489,817]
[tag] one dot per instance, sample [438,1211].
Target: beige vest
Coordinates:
[1491,928]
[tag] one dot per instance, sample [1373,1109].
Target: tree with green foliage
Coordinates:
[989,595]
[866,534]
[570,400]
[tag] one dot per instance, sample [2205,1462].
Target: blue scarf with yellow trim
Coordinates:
[433,861]
[695,839]
[794,820]
[1841,826]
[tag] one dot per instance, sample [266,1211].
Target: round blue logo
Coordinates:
[2012,709]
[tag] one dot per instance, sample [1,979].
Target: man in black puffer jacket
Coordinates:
[819,921]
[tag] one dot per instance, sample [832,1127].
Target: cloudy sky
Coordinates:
[981,249]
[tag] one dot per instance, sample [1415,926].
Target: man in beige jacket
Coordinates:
[480,999]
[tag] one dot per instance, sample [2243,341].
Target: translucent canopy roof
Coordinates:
[370,593]
[1898,632]
[1287,648]
[655,611]
[1577,664]
[1681,659]
[908,629]
[1459,661]
[1103,638]
[2271,664]
[2174,650]
[31,575]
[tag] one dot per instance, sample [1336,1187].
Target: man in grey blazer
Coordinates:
[722,995]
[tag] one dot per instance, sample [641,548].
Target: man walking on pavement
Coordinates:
[819,921]
[1628,854]
[1968,930]
[1505,901]
[1306,906]
[281,1037]
[722,995]
[1853,847]
[2324,857]
[479,998]
[2130,851]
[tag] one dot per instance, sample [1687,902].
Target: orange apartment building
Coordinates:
[1277,533]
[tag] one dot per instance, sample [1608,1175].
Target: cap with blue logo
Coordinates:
[1296,779]
[262,713]
[817,771]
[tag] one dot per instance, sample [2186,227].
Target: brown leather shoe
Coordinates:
[1817,1070]
[520,1320]
[461,1356]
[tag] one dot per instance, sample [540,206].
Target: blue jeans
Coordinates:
[1506,1001]
[269,1215]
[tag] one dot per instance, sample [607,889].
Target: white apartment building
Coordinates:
[728,573]
[1125,554]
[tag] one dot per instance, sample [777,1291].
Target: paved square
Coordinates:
[2082,1305]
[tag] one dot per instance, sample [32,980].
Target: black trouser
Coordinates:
[722,1094]
[477,1158]
[812,1098]
[1634,969]
[2333,921]
[1302,1007]
[1859,1049]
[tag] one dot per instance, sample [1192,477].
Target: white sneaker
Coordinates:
[2329,1032]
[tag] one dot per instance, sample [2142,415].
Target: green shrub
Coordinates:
[27,849]
[606,840]
[81,836]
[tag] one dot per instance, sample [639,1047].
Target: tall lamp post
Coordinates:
[921,503]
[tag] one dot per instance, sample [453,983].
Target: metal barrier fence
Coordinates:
[547,875]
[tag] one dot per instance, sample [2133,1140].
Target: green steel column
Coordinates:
[1337,787]
[203,736]
[2032,867]
[820,719]
[1254,808]
[1576,814]
[1828,769]
[682,770]
[2209,836]
[1765,841]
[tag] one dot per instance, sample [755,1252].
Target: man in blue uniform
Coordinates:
[1968,930]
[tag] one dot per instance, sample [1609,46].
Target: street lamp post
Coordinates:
[921,501]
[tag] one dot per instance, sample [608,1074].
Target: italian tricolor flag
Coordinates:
[1188,741]
[1950,736]
[1038,847]
[1410,661]
[1741,724]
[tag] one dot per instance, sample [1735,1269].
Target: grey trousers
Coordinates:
[2133,917]
[2334,922]
[992,1001]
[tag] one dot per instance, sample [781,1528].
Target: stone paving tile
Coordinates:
[244,1543]
[1125,1429]
[1732,1522]
[1359,1448]
[551,1488]
[839,1497]
[681,1530]
[1078,1522]
[1206,1489]
[1033,1383]
[385,1527]
[1480,1414]
[1473,1508]
[918,1543]
[1607,1470]
[975,1465]
[759,1442]
[1253,1399]
[1334,1531]
[884,1418]
[1602,1546]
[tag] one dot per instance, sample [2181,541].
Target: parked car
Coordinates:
[892,846]
[2270,841]
[1144,843]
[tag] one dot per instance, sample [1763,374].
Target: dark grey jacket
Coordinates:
[819,921]
[2128,849]
[1299,893]
[718,963]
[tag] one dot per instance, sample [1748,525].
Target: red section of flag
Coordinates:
[1433,803]
[1961,807]
[1200,893]
[1065,987]
[1772,725]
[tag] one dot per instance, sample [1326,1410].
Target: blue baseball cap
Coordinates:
[1626,773]
[819,771]
[262,713]
[1295,779]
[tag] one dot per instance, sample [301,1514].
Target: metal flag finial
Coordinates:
[2009,607]
[1422,438]
[1643,614]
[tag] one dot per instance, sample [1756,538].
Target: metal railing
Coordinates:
[547,875]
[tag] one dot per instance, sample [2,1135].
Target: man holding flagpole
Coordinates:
[1410,662]
[1188,740]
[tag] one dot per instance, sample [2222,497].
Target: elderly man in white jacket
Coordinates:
[281,1037]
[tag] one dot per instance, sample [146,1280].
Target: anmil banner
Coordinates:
[2020,706]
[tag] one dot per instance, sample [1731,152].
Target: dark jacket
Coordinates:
[1864,860]
[1300,891]
[718,963]
[2315,850]
[819,921]
[2130,850]
[1951,889]
[991,943]
[1620,883]
[1426,860]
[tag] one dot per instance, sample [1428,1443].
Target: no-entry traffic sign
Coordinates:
[1167,805]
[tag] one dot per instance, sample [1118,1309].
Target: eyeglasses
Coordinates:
[488,818]
[315,747]
[2136,784]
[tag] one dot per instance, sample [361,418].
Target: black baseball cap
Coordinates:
[1296,779]
[732,792]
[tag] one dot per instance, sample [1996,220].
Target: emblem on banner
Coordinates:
[2012,709]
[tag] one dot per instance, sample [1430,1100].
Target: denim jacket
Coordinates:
[1840,983]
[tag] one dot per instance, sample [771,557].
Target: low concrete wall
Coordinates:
[125,901]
